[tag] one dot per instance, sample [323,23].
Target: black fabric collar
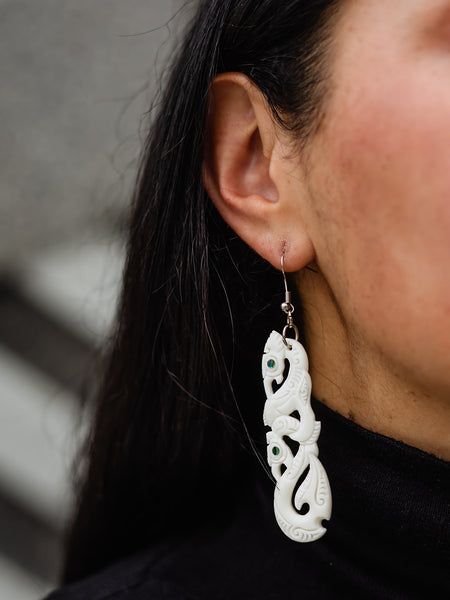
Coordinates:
[390,525]
[388,537]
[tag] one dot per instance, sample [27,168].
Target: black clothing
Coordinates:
[388,538]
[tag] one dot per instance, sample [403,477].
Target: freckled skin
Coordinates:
[379,217]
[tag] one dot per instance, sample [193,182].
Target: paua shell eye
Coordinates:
[271,364]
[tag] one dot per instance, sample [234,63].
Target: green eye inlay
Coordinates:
[271,363]
[275,451]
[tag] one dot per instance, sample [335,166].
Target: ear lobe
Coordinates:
[242,173]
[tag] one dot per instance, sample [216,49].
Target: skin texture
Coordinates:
[368,204]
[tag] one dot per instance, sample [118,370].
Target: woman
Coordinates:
[313,133]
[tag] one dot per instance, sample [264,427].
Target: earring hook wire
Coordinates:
[284,274]
[288,308]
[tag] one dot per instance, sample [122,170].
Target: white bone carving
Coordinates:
[294,394]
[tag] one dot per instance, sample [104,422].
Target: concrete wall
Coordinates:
[75,77]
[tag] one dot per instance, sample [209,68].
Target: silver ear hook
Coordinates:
[288,308]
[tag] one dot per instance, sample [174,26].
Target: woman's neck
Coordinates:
[363,384]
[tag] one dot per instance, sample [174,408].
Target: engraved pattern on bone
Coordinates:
[294,394]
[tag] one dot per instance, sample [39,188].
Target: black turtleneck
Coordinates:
[388,537]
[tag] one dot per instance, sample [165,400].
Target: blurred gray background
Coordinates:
[77,78]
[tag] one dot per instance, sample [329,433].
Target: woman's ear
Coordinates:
[255,186]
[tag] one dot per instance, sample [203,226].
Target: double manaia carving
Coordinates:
[299,508]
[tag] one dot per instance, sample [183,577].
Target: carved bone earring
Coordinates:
[292,448]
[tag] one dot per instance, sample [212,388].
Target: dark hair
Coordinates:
[180,401]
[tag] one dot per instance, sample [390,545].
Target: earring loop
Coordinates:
[288,308]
